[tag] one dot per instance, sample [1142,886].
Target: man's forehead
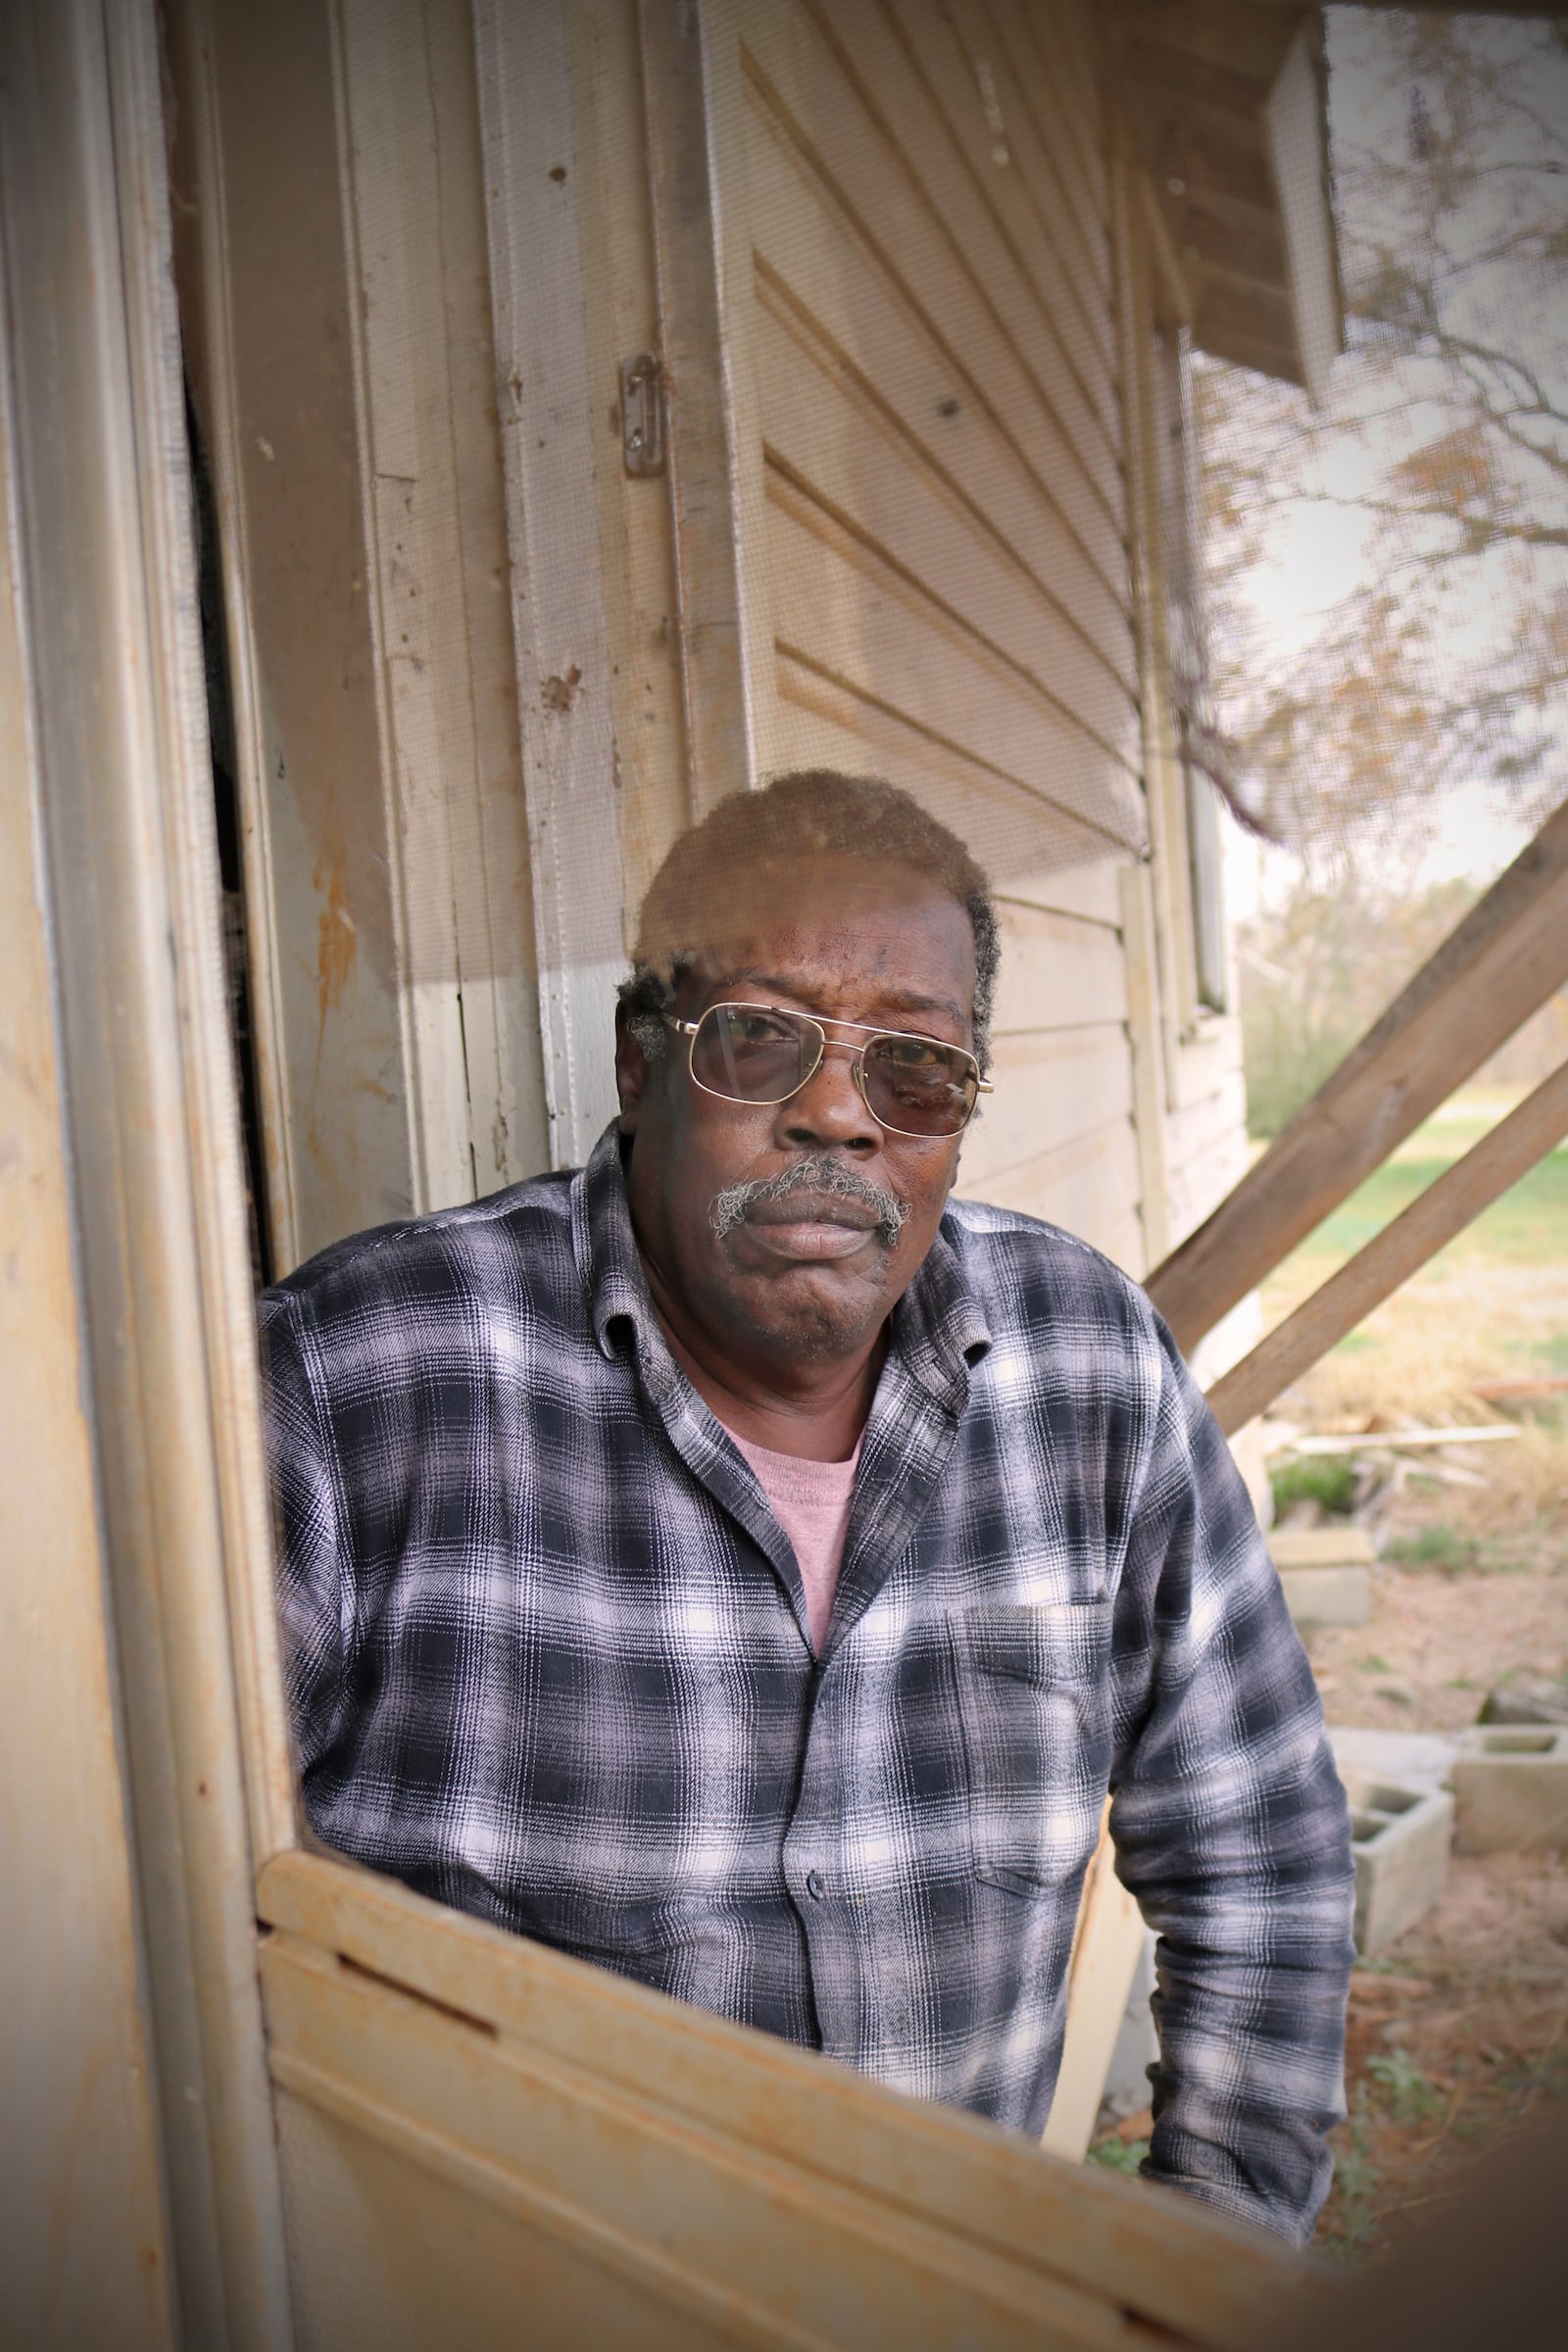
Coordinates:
[821,920]
[805,981]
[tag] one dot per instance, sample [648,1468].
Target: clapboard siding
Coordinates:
[827,434]
[1048,47]
[1057,972]
[883,52]
[1090,1185]
[831,290]
[934,350]
[944,54]
[849,616]
[1041,854]
[1038,96]
[796,81]
[1207,1142]
[1054,1087]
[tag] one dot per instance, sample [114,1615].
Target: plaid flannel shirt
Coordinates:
[548,1662]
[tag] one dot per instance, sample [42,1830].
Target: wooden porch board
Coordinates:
[1390,1257]
[1503,960]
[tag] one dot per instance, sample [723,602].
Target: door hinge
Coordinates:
[642,413]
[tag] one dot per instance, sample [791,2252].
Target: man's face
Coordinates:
[772,1270]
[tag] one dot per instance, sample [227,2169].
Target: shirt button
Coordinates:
[815,1885]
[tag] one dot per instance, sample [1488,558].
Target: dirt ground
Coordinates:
[1460,2030]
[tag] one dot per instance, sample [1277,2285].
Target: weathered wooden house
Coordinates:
[599,406]
[607,410]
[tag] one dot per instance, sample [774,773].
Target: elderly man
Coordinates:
[744,1566]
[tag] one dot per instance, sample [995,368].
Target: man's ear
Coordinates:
[632,1073]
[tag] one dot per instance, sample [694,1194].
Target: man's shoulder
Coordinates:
[1023,1269]
[512,1245]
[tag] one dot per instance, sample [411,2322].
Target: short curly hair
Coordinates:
[809,812]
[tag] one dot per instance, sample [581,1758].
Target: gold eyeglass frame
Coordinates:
[872,1031]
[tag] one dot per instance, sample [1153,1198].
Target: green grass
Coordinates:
[1119,2155]
[1526,1227]
[1357,2181]
[1411,2092]
[1330,1481]
[1439,1547]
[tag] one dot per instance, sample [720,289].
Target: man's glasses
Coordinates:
[761,1054]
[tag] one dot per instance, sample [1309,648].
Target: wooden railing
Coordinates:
[1503,960]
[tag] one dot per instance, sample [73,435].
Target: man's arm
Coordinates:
[1232,1830]
[316,1602]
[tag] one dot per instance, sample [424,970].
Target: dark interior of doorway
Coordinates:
[230,861]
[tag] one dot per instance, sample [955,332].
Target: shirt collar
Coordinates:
[939,1327]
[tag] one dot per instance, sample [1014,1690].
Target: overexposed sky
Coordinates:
[1318,554]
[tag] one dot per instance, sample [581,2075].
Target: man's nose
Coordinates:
[829,1112]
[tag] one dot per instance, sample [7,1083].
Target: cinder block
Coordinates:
[1325,1573]
[1511,1790]
[1415,1759]
[1345,1547]
[1400,1838]
[1327,1595]
[1137,2043]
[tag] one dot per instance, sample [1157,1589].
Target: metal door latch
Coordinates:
[642,413]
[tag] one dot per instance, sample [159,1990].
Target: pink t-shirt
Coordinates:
[811,1501]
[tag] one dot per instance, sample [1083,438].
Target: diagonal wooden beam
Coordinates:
[1391,1256]
[1505,958]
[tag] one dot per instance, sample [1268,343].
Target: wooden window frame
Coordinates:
[1153,297]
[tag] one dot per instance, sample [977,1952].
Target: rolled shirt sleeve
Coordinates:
[1232,1830]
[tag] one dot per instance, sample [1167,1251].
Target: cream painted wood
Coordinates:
[933,147]
[1108,1939]
[84,2236]
[938,386]
[1090,892]
[550,401]
[268,300]
[1039,96]
[1149,1091]
[701,204]
[635,536]
[1048,858]
[854,154]
[746,2186]
[435,527]
[1160,771]
[826,721]
[829,437]
[1059,971]
[123,790]
[835,284]
[1055,1087]
[1296,122]
[1062,38]
[935,669]
[1089,1183]
[1199,1059]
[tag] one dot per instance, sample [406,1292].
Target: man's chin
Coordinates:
[807,1307]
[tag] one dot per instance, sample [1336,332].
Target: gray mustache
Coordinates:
[817,1172]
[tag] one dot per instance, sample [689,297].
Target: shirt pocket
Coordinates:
[1034,1706]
